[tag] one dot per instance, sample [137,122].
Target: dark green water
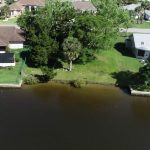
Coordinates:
[57,117]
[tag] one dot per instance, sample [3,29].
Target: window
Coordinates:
[141,53]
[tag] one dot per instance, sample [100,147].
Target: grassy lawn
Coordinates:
[145,25]
[101,69]
[9,21]
[10,75]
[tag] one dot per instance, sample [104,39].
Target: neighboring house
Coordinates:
[84,6]
[18,7]
[140,45]
[147,15]
[131,7]
[2,3]
[10,38]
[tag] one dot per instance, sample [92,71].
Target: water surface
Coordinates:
[58,117]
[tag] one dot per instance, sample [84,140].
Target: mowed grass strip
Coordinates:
[9,21]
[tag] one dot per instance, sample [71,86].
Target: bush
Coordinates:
[31,79]
[17,58]
[48,74]
[85,56]
[78,83]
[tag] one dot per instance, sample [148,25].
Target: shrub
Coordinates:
[48,73]
[31,79]
[78,83]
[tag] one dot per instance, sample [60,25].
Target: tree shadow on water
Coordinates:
[124,79]
[120,47]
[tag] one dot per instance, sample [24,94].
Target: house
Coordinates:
[140,45]
[2,3]
[10,38]
[84,6]
[131,7]
[18,7]
[147,15]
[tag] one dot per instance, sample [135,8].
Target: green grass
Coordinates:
[144,25]
[101,69]
[11,74]
[9,21]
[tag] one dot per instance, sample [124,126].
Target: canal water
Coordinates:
[58,117]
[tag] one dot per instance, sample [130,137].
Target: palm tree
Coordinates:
[71,49]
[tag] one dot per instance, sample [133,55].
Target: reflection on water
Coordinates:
[54,116]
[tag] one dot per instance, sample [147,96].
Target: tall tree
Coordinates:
[5,11]
[112,18]
[71,49]
[8,2]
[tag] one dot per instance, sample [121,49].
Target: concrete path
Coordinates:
[138,30]
[135,30]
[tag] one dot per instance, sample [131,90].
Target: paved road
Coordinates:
[135,30]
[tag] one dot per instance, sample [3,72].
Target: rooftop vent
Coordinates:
[142,43]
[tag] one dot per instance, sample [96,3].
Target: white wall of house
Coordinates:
[7,64]
[15,13]
[1,52]
[15,45]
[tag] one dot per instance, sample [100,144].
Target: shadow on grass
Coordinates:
[124,78]
[120,47]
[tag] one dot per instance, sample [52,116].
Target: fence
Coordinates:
[20,72]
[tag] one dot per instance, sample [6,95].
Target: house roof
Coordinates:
[84,6]
[10,34]
[19,5]
[7,58]
[141,41]
[16,6]
[131,6]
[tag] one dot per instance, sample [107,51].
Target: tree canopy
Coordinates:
[47,28]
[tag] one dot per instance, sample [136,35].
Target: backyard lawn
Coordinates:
[107,63]
[102,70]
[9,21]
[144,25]
[11,74]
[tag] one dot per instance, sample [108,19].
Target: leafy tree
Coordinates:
[8,2]
[140,14]
[125,2]
[71,49]
[88,30]
[4,11]
[141,9]
[144,75]
[112,18]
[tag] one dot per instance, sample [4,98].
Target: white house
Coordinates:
[131,7]
[140,45]
[10,38]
